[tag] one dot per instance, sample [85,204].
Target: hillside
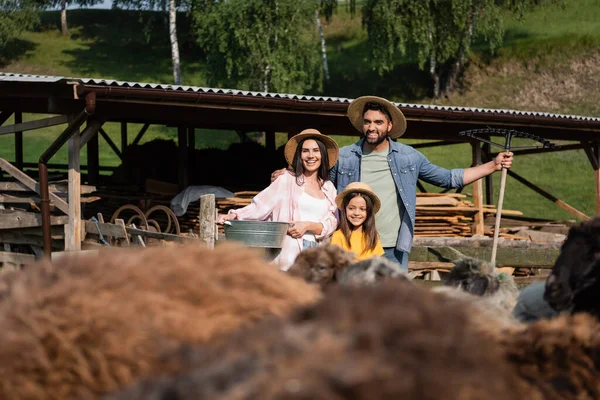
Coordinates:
[550,61]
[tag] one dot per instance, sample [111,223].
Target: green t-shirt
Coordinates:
[375,172]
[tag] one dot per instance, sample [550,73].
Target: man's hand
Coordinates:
[221,218]
[503,160]
[277,174]
[297,229]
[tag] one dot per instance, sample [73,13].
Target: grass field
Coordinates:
[550,61]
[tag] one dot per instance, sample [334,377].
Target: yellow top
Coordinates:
[357,245]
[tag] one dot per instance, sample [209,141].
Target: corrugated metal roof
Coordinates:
[15,77]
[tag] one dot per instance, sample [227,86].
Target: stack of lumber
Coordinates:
[448,214]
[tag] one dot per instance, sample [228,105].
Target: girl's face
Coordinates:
[356,211]
[310,155]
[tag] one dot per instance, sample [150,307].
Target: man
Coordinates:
[392,170]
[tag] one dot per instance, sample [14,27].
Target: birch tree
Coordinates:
[439,33]
[264,45]
[170,9]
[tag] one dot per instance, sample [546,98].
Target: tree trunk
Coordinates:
[459,64]
[266,80]
[63,18]
[323,48]
[434,75]
[174,43]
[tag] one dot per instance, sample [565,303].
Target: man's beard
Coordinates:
[379,140]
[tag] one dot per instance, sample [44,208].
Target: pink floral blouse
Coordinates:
[279,202]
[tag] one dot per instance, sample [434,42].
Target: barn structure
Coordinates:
[84,105]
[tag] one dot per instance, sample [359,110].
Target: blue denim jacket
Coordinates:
[407,166]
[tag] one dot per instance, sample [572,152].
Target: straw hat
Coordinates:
[355,113]
[361,188]
[330,145]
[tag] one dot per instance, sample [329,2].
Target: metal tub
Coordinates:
[265,234]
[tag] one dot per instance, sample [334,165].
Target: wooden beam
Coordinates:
[32,184]
[140,134]
[73,230]
[572,210]
[183,158]
[53,187]
[92,153]
[18,142]
[481,242]
[90,131]
[478,228]
[16,237]
[13,219]
[31,125]
[4,116]
[112,144]
[270,140]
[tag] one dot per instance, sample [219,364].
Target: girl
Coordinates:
[303,196]
[358,205]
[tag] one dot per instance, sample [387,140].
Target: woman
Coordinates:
[303,196]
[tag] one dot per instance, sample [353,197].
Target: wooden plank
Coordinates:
[555,200]
[16,258]
[437,201]
[121,223]
[116,232]
[17,237]
[466,209]
[482,242]
[73,230]
[31,125]
[207,218]
[91,130]
[421,265]
[453,195]
[12,219]
[32,184]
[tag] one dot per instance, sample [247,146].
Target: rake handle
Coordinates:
[498,215]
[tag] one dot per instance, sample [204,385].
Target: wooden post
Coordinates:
[183,157]
[270,141]
[478,227]
[73,230]
[93,159]
[489,180]
[207,219]
[19,142]
[191,147]
[596,152]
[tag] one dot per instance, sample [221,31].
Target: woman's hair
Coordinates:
[298,167]
[369,230]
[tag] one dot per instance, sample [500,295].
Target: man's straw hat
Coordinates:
[361,188]
[355,113]
[330,145]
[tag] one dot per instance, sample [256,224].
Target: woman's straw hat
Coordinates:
[361,188]
[355,113]
[330,145]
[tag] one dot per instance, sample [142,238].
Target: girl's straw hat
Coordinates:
[330,145]
[355,113]
[361,188]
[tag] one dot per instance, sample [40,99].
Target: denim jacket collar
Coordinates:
[358,146]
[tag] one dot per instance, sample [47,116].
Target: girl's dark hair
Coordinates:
[369,230]
[298,168]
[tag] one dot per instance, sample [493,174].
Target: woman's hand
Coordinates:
[297,229]
[503,160]
[276,174]
[221,218]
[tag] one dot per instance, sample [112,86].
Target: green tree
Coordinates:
[16,16]
[63,4]
[439,32]
[170,7]
[268,45]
